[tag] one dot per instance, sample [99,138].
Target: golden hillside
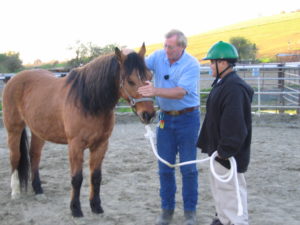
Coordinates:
[272,35]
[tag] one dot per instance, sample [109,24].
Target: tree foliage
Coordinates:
[84,53]
[247,50]
[10,62]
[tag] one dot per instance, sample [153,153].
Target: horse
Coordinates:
[77,110]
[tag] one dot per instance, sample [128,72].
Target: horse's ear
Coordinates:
[142,51]
[120,55]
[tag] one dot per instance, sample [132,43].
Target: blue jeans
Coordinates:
[179,135]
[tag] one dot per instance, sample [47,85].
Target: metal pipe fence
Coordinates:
[276,86]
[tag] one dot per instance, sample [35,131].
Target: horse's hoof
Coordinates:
[38,190]
[76,209]
[36,184]
[96,206]
[77,213]
[97,210]
[15,195]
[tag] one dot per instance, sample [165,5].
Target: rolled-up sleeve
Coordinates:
[189,80]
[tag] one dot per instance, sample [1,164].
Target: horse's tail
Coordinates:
[24,164]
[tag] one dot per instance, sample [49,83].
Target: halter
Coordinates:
[133,100]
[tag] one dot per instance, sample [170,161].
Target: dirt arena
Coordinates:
[130,190]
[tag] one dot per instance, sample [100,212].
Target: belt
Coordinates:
[179,112]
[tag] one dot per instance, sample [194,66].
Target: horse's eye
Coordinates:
[131,83]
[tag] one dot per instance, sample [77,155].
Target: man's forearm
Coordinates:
[172,93]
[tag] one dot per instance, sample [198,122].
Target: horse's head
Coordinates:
[134,74]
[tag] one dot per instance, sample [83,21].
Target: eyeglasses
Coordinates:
[170,47]
[214,61]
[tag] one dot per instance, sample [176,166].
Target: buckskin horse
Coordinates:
[77,110]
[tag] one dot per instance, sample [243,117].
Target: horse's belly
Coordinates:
[58,140]
[53,134]
[54,138]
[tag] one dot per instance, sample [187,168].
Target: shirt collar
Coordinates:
[166,60]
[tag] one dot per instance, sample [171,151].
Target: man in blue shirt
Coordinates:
[176,79]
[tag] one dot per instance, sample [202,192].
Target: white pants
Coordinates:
[225,198]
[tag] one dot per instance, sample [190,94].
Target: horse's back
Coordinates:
[26,84]
[24,81]
[30,97]
[27,78]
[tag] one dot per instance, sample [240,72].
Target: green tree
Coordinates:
[10,62]
[247,50]
[87,52]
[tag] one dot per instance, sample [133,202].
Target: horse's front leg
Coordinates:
[76,162]
[96,157]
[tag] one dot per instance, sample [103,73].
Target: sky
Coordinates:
[46,29]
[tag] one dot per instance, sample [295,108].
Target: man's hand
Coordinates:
[147,90]
[171,93]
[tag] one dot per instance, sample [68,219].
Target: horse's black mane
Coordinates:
[95,86]
[134,61]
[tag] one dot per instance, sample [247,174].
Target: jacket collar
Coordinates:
[225,78]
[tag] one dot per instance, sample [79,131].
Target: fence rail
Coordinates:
[277,86]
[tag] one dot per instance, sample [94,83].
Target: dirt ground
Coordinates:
[130,189]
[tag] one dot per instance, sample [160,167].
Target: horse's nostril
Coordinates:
[147,116]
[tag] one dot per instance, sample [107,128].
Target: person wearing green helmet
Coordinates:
[227,129]
[223,57]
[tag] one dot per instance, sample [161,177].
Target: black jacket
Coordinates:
[227,126]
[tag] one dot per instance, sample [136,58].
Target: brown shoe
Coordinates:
[190,218]
[165,217]
[216,222]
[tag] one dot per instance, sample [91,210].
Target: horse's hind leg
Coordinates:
[18,145]
[35,156]
[96,157]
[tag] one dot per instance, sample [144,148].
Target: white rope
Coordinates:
[232,173]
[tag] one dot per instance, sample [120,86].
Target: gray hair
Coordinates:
[181,38]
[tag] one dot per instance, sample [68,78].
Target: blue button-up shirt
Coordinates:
[184,73]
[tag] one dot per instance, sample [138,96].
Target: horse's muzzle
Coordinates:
[147,117]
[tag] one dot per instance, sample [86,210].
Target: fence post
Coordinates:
[281,85]
[256,73]
[298,109]
[259,95]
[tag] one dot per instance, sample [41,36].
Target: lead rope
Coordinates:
[232,173]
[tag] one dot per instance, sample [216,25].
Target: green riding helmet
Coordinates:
[222,50]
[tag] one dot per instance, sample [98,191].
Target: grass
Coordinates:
[272,35]
[277,111]
[123,109]
[48,66]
